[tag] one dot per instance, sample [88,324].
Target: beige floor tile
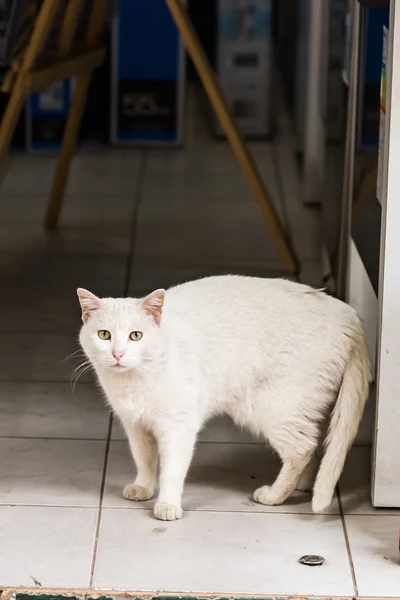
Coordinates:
[222,553]
[51,472]
[37,546]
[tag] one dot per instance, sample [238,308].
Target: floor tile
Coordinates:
[74,270]
[52,410]
[107,171]
[28,174]
[355,484]
[51,472]
[38,357]
[79,211]
[226,227]
[37,545]
[147,275]
[221,553]
[222,477]
[48,307]
[97,237]
[102,172]
[374,544]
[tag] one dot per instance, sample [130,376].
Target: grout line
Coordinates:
[283,201]
[56,506]
[53,439]
[281,189]
[135,219]
[218,511]
[147,508]
[103,484]
[347,541]
[191,106]
[45,381]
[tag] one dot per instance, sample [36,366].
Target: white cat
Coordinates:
[280,358]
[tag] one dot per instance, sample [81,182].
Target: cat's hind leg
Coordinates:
[296,451]
[285,483]
[309,475]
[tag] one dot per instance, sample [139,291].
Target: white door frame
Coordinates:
[386,452]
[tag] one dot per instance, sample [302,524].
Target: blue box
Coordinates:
[148,76]
[46,115]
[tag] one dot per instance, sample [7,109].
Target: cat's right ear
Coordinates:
[89,303]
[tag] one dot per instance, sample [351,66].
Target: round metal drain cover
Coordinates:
[312,560]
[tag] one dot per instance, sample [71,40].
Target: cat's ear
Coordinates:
[153,305]
[89,303]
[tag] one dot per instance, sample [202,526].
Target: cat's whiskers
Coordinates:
[80,370]
[78,353]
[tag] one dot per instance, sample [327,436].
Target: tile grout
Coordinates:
[100,507]
[347,542]
[186,510]
[139,508]
[141,178]
[281,189]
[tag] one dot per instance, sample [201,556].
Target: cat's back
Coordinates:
[234,324]
[239,300]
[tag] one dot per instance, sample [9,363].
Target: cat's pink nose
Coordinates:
[118,355]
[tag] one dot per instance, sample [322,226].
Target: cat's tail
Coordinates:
[346,417]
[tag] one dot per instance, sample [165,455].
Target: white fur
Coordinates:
[277,356]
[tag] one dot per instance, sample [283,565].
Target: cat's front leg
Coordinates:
[176,449]
[145,455]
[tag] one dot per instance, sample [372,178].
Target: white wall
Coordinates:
[386,457]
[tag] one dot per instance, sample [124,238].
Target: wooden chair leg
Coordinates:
[18,95]
[67,150]
[99,8]
[10,118]
[243,156]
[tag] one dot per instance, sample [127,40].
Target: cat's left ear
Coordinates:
[153,305]
[89,303]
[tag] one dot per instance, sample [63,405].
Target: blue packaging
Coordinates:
[147,82]
[46,115]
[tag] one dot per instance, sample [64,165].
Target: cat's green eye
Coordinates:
[136,336]
[104,334]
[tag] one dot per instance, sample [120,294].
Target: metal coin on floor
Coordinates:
[312,560]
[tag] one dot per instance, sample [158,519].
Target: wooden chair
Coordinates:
[36,69]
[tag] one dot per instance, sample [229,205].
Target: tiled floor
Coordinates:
[134,220]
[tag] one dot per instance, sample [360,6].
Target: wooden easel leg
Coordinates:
[236,141]
[67,149]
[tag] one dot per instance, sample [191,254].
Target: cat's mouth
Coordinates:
[118,366]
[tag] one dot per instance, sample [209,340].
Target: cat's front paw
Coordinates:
[137,493]
[265,495]
[167,512]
